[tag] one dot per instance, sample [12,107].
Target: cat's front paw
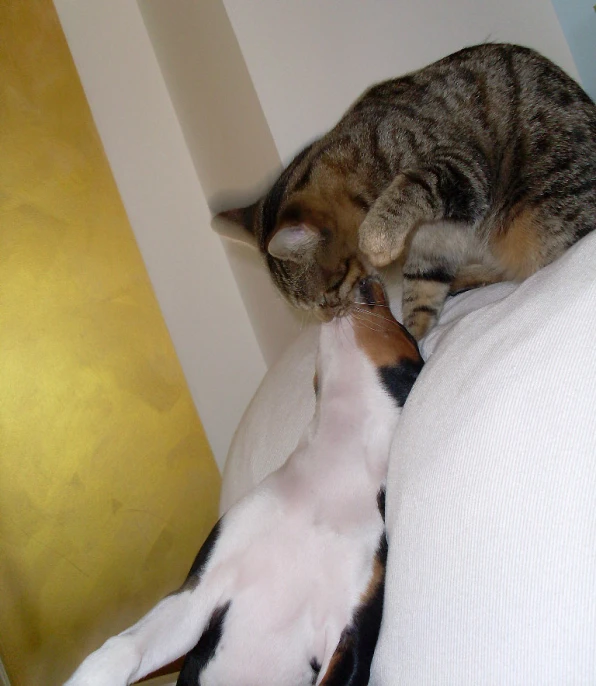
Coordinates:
[380,242]
[422,303]
[419,323]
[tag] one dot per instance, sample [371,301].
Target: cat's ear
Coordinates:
[237,225]
[294,243]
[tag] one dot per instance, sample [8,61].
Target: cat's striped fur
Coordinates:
[478,168]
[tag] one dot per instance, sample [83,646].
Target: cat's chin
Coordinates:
[327,314]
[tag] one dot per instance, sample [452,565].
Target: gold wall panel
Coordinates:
[107,482]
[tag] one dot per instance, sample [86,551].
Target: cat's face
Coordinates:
[308,234]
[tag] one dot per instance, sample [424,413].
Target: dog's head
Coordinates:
[368,335]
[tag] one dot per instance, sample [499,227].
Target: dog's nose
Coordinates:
[366,291]
[372,291]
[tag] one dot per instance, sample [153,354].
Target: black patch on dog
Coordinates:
[204,554]
[315,665]
[198,658]
[382,551]
[344,661]
[350,664]
[367,624]
[381,501]
[398,379]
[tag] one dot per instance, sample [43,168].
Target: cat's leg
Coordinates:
[474,276]
[405,204]
[453,189]
[436,254]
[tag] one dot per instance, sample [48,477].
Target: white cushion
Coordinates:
[274,420]
[491,497]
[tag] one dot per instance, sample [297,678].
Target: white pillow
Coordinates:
[492,482]
[491,497]
[274,420]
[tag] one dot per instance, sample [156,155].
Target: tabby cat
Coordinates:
[478,168]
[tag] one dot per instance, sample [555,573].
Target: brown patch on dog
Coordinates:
[336,658]
[376,579]
[170,669]
[351,660]
[519,247]
[384,340]
[341,661]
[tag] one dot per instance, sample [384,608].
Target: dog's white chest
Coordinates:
[296,586]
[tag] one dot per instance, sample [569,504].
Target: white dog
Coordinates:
[288,588]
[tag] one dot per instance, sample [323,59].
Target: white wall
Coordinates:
[227,136]
[309,59]
[167,210]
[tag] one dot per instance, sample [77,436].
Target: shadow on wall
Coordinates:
[228,138]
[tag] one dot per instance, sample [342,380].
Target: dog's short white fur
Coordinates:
[294,557]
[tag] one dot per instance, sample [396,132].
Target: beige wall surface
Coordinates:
[228,138]
[309,60]
[107,483]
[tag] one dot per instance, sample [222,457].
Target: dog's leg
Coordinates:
[168,631]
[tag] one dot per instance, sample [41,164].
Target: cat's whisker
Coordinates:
[342,328]
[375,314]
[376,329]
[376,304]
[372,326]
[371,313]
[368,313]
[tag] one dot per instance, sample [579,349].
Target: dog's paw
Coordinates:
[114,664]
